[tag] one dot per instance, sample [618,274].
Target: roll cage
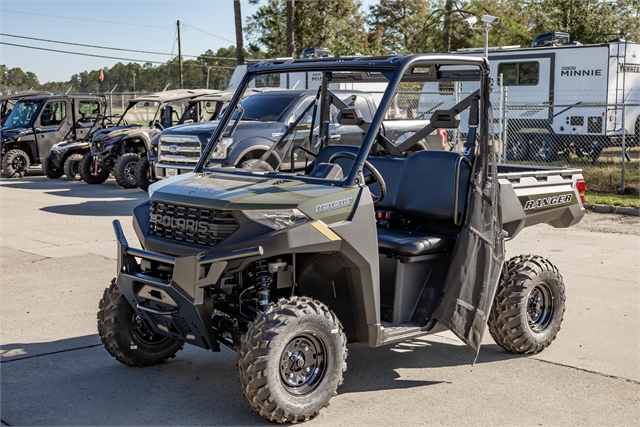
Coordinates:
[383,69]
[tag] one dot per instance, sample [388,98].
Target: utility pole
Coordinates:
[208,70]
[180,56]
[290,33]
[239,42]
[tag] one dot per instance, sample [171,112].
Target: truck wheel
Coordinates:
[92,174]
[15,163]
[124,170]
[144,175]
[127,337]
[49,170]
[256,165]
[529,306]
[544,149]
[517,148]
[291,360]
[72,167]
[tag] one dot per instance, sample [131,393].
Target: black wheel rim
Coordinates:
[74,168]
[19,163]
[143,332]
[543,150]
[303,363]
[540,307]
[129,170]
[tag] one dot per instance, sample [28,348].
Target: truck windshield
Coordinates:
[22,115]
[266,107]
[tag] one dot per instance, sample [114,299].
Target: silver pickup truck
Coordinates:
[373,243]
[262,123]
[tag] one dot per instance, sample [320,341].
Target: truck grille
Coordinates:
[206,227]
[176,149]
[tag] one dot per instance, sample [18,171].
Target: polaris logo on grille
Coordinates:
[181,224]
[548,202]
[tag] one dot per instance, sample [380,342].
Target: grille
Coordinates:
[206,227]
[179,150]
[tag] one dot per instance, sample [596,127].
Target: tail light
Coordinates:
[581,186]
[443,137]
[611,118]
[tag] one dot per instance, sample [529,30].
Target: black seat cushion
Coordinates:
[401,242]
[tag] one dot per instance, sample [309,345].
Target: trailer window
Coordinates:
[268,80]
[519,73]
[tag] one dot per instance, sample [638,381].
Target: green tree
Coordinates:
[335,24]
[587,21]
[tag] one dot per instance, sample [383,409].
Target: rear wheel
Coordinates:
[49,170]
[15,163]
[291,360]
[517,148]
[92,172]
[72,167]
[544,149]
[127,337]
[144,174]
[124,170]
[529,306]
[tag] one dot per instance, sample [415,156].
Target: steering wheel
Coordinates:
[372,177]
[158,125]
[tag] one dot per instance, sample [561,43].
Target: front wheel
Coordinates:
[127,337]
[124,170]
[528,307]
[144,174]
[517,148]
[49,170]
[291,360]
[15,163]
[91,170]
[72,167]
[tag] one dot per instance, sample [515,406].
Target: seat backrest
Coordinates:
[434,186]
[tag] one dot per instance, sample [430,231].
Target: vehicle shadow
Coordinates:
[65,188]
[86,386]
[97,208]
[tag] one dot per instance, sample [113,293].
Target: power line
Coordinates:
[108,57]
[113,48]
[83,19]
[203,31]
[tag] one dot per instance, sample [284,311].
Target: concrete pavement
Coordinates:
[58,255]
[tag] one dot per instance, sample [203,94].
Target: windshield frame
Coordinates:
[392,69]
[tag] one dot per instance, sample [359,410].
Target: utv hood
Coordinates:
[241,192]
[6,134]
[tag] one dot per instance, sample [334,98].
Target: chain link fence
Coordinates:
[601,139]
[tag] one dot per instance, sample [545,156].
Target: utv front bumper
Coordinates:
[168,292]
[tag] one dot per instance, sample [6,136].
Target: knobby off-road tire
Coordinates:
[529,306]
[71,167]
[48,169]
[125,170]
[291,360]
[144,176]
[127,337]
[256,164]
[89,173]
[15,163]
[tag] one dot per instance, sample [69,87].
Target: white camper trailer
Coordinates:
[559,96]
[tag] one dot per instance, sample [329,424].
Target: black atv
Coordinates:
[66,155]
[118,149]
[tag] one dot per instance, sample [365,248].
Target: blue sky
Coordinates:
[75,21]
[212,16]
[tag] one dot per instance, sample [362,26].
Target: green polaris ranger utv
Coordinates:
[372,242]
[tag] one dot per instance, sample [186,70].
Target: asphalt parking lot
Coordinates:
[58,255]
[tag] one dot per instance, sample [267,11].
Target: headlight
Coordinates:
[277,218]
[220,151]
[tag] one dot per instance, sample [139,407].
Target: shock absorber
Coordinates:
[262,280]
